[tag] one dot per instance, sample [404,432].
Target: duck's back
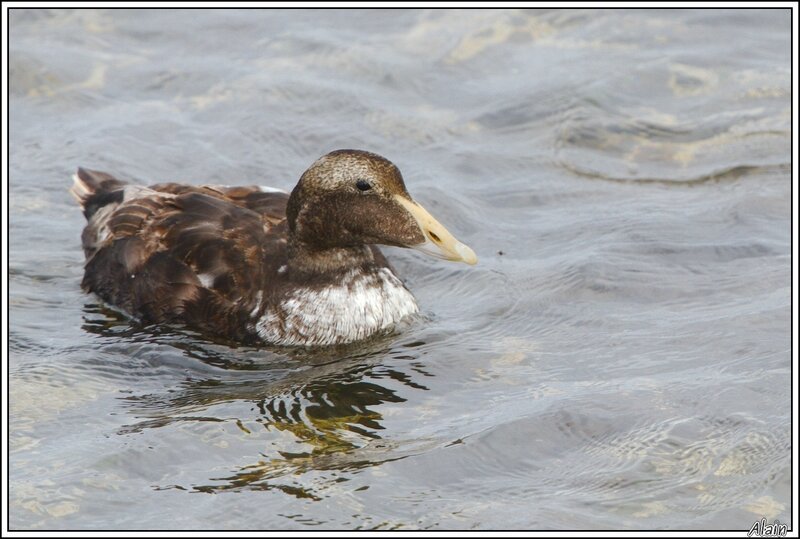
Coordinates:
[176,253]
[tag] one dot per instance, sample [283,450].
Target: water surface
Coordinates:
[619,358]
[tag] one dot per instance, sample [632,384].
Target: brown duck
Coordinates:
[254,263]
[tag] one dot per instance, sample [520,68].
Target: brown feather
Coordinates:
[160,242]
[221,259]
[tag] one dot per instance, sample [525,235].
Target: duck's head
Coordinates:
[352,197]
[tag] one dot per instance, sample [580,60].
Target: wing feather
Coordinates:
[176,253]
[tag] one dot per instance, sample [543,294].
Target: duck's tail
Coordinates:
[93,190]
[99,194]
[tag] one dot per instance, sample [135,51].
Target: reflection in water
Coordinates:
[325,399]
[324,415]
[624,175]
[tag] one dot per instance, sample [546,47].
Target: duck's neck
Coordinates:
[305,259]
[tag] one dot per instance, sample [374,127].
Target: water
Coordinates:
[619,358]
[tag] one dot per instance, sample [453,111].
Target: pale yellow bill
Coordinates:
[438,241]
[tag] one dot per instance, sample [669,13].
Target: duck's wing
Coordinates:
[172,253]
[268,202]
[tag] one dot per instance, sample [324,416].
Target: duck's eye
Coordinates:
[363,185]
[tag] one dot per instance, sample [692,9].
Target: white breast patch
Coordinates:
[352,310]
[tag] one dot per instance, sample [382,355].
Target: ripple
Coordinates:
[600,138]
[616,359]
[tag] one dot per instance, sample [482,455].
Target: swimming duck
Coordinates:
[254,263]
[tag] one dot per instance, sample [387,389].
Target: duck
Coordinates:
[259,264]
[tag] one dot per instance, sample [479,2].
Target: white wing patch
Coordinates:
[257,302]
[206,279]
[355,309]
[266,189]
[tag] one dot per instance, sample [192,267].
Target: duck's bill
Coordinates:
[439,242]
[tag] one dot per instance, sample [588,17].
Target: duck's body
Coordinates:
[249,263]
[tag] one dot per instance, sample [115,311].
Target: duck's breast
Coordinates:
[354,308]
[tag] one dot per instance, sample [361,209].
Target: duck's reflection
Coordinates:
[334,419]
[327,400]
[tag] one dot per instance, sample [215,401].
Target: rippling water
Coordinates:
[620,357]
